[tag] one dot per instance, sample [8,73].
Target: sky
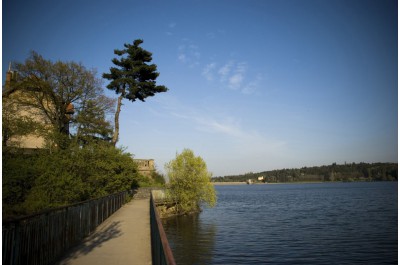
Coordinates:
[253,85]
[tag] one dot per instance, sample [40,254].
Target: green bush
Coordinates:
[44,180]
[154,180]
[18,178]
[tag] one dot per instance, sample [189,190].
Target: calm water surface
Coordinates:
[326,223]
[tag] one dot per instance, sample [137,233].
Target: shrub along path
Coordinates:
[124,238]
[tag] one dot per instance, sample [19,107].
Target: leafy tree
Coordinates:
[53,90]
[189,182]
[133,78]
[91,120]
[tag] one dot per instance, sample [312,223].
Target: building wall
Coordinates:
[18,105]
[16,111]
[145,166]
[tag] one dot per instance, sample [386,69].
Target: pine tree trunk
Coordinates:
[116,121]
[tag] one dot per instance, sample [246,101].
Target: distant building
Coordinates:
[260,178]
[145,166]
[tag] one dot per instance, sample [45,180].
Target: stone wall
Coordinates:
[145,166]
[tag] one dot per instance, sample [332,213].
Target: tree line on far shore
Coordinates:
[334,172]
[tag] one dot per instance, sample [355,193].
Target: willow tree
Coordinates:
[133,78]
[190,183]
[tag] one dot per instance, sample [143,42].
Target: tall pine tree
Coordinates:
[133,78]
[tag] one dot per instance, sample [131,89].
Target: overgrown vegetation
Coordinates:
[334,172]
[189,183]
[42,180]
[155,180]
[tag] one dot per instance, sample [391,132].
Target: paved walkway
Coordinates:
[124,238]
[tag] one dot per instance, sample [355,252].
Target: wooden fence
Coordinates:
[43,238]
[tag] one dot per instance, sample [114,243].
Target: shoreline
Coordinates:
[228,183]
[269,183]
[232,183]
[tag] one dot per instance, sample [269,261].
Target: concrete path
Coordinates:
[124,238]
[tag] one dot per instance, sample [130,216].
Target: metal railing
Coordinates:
[160,250]
[43,238]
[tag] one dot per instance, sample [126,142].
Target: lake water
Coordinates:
[324,223]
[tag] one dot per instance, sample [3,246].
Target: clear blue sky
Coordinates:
[254,85]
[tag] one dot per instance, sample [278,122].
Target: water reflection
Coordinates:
[189,234]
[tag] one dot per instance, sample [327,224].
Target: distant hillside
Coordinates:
[334,172]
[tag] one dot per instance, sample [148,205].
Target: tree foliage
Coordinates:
[44,180]
[133,78]
[189,182]
[91,121]
[48,90]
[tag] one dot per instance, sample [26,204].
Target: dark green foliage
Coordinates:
[91,120]
[18,179]
[132,77]
[45,180]
[334,172]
